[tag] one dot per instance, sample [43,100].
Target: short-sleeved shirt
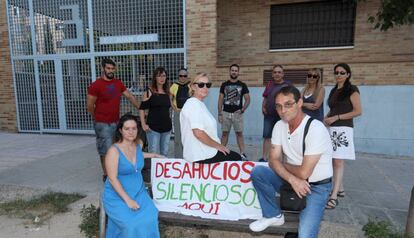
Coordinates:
[269,94]
[180,94]
[233,95]
[195,115]
[318,141]
[108,99]
[338,106]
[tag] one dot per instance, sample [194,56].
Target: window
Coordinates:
[312,24]
[295,76]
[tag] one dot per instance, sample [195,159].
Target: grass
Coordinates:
[382,229]
[90,221]
[40,208]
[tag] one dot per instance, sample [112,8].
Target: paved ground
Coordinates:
[377,186]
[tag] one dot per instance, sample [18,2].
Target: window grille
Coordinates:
[312,24]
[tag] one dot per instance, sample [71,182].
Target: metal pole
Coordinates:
[409,229]
[102,218]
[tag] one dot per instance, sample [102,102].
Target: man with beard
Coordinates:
[103,103]
[231,107]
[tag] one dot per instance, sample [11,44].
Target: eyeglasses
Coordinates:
[287,105]
[201,85]
[315,76]
[184,76]
[340,73]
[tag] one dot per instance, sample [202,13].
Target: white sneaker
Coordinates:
[264,223]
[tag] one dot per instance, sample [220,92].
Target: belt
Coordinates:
[328,180]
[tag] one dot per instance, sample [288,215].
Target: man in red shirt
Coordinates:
[103,103]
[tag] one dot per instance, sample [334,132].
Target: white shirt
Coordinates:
[195,115]
[318,141]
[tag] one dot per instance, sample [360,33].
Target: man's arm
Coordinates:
[305,170]
[246,102]
[264,110]
[301,186]
[90,104]
[131,98]
[220,107]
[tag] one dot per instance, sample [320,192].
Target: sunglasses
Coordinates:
[340,73]
[184,76]
[201,85]
[315,76]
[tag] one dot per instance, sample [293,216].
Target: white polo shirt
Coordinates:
[318,141]
[195,115]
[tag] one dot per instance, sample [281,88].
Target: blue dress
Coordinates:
[122,221]
[317,114]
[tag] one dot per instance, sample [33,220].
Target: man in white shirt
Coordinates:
[309,172]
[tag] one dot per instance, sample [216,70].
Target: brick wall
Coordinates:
[201,36]
[378,58]
[7,100]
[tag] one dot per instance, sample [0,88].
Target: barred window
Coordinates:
[312,24]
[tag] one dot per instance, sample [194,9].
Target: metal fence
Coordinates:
[57,47]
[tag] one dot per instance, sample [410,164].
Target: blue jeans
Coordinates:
[104,134]
[267,183]
[158,142]
[268,124]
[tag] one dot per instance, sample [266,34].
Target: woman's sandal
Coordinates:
[332,203]
[341,194]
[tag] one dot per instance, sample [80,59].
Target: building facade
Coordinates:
[208,35]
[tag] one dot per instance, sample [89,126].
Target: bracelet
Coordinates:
[339,118]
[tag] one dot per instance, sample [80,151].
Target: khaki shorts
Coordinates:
[235,119]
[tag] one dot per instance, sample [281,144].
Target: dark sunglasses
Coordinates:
[315,76]
[184,76]
[201,85]
[340,73]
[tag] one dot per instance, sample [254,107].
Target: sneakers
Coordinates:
[262,160]
[243,157]
[264,223]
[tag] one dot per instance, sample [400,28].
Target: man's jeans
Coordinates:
[178,146]
[158,142]
[267,183]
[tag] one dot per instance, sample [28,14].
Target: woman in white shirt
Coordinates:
[201,143]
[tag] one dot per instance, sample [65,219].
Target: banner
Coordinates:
[216,191]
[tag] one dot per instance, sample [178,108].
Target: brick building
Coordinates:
[256,35]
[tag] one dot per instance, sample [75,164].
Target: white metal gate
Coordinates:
[57,46]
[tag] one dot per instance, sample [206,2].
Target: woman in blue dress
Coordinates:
[131,212]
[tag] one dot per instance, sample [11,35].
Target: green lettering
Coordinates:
[183,190]
[233,189]
[161,190]
[226,189]
[253,197]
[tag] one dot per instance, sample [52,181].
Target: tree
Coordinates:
[393,13]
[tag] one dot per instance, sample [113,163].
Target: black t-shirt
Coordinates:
[233,95]
[343,106]
[158,106]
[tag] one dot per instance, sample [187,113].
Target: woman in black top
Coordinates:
[344,104]
[158,124]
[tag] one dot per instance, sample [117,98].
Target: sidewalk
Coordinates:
[377,186]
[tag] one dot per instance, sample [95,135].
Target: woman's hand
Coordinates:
[223,149]
[329,120]
[132,204]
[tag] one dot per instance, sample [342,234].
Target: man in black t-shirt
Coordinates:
[231,107]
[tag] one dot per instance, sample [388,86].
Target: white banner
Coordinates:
[217,191]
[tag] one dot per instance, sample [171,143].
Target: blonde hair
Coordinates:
[194,80]
[318,85]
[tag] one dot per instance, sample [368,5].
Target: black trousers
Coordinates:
[220,157]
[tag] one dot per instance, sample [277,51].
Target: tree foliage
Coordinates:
[393,13]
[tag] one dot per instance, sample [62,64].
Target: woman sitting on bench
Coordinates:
[130,209]
[199,128]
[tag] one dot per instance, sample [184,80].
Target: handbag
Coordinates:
[289,200]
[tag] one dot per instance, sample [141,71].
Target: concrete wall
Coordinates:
[385,127]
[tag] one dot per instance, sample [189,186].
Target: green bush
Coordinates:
[382,229]
[90,221]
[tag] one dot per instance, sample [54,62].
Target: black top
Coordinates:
[158,118]
[337,106]
[233,95]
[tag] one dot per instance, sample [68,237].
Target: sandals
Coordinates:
[332,203]
[341,194]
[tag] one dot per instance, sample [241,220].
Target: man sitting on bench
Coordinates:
[309,172]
